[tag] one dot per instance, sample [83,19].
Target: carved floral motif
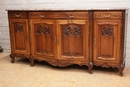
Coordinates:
[107,31]
[43,29]
[19,28]
[72,30]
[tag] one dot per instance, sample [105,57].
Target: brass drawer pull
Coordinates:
[17,15]
[107,16]
[42,16]
[71,16]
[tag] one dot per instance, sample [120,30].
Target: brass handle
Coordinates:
[17,15]
[95,41]
[42,16]
[71,16]
[107,16]
[56,40]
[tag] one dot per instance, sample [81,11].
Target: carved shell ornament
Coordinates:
[43,29]
[72,30]
[107,31]
[19,28]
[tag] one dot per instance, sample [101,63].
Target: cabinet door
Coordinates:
[107,40]
[19,36]
[42,38]
[73,39]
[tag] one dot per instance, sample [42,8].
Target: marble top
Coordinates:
[23,9]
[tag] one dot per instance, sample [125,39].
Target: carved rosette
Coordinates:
[72,30]
[107,31]
[43,29]
[19,28]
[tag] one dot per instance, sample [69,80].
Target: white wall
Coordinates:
[57,4]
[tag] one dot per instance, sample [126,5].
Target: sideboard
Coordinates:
[66,37]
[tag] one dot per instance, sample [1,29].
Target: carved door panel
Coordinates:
[107,40]
[73,39]
[42,38]
[19,36]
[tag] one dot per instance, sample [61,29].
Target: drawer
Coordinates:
[18,15]
[58,15]
[108,14]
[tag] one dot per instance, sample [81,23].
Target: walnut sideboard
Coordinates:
[62,38]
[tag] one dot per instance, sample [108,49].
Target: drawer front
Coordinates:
[18,15]
[71,15]
[114,15]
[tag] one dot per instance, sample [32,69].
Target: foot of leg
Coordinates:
[121,69]
[32,62]
[90,67]
[12,58]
